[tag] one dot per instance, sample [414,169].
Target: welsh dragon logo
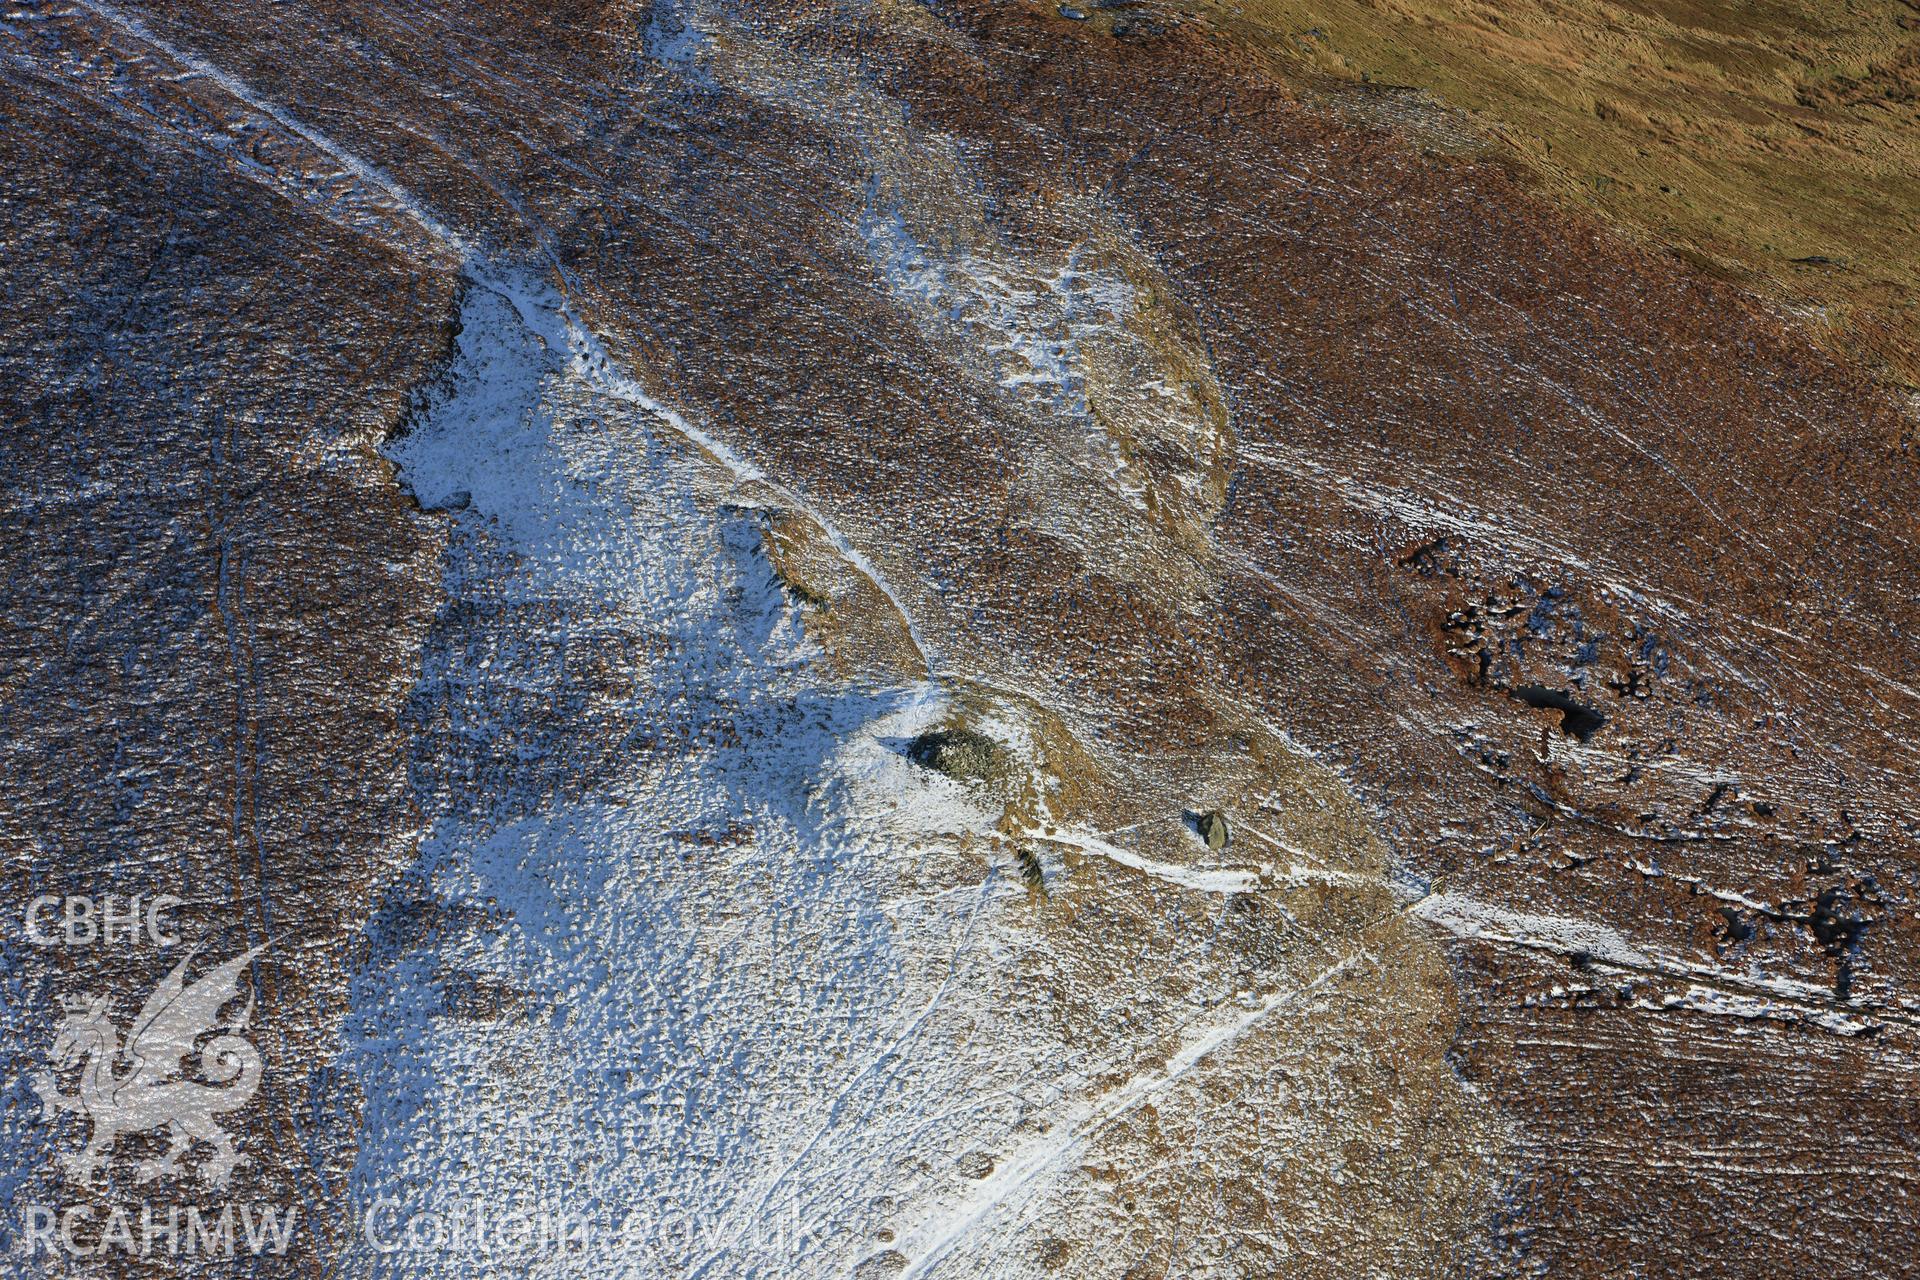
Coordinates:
[144,1086]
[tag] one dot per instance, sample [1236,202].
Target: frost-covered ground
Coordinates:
[664,990]
[1520,600]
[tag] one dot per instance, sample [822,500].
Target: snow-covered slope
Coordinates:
[702,975]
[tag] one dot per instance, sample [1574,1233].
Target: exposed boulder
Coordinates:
[1213,829]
